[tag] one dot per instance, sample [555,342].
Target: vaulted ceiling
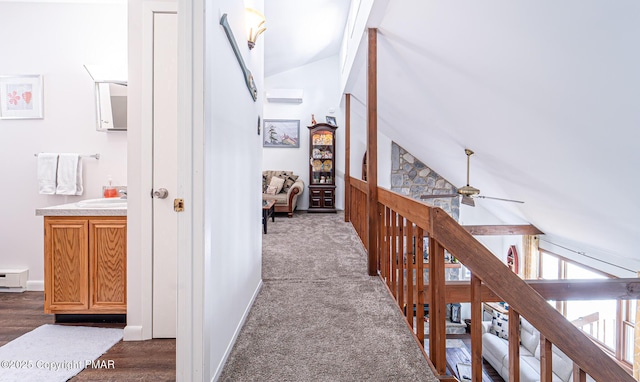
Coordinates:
[547,94]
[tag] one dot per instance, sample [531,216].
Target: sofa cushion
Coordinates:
[289,180]
[271,190]
[529,336]
[494,347]
[562,364]
[277,182]
[281,198]
[500,325]
[268,174]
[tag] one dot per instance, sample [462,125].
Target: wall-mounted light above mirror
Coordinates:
[111,98]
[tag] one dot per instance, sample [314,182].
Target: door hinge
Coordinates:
[178,204]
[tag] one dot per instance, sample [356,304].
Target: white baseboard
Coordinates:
[133,333]
[236,333]
[35,285]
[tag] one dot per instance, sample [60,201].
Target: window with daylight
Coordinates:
[611,323]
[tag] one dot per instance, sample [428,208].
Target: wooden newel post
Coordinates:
[372,150]
[476,329]
[347,158]
[437,307]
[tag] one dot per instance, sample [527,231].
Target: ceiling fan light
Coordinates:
[468,201]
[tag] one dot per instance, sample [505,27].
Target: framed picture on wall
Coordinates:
[281,133]
[331,120]
[21,97]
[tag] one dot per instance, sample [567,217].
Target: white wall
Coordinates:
[319,81]
[232,197]
[55,40]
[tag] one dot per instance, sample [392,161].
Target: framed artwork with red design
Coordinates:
[21,97]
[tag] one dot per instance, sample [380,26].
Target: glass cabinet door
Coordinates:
[322,158]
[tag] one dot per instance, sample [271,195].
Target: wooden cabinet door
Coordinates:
[108,265]
[66,265]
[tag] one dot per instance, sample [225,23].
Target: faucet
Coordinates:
[123,194]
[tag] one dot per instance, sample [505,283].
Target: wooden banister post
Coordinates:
[476,328]
[410,256]
[514,346]
[420,284]
[347,158]
[372,149]
[437,307]
[578,374]
[546,370]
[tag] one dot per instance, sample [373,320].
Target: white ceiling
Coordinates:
[302,31]
[547,94]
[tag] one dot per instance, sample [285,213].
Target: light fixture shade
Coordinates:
[255,25]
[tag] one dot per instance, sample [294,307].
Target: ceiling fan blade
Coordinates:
[501,199]
[435,196]
[468,201]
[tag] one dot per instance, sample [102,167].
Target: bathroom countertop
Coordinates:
[71,209]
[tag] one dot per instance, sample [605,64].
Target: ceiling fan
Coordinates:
[468,192]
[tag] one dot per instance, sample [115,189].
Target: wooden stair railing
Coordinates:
[403,222]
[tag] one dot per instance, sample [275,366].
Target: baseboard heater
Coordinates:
[13,280]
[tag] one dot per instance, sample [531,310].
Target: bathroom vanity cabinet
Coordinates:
[85,260]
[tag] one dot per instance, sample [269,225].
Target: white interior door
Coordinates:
[165,174]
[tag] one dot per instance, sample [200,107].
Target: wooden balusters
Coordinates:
[437,306]
[382,238]
[578,374]
[410,256]
[476,328]
[514,346]
[546,356]
[394,255]
[400,260]
[420,284]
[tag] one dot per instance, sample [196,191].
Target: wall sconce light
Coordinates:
[255,25]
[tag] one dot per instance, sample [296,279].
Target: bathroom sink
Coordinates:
[103,203]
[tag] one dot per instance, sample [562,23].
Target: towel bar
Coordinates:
[97,156]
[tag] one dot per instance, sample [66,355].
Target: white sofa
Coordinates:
[495,349]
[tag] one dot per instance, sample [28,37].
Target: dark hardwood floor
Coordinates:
[491,372]
[153,360]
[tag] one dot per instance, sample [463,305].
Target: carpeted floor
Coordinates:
[319,316]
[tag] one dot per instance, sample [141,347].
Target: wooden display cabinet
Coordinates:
[85,264]
[322,181]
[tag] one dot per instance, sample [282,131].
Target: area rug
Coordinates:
[56,353]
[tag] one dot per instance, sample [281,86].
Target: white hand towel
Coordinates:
[47,168]
[69,175]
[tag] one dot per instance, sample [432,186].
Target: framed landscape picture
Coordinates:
[21,97]
[281,133]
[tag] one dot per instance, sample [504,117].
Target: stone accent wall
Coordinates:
[413,178]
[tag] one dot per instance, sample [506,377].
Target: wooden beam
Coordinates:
[347,158]
[372,150]
[568,290]
[558,290]
[479,230]
[586,320]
